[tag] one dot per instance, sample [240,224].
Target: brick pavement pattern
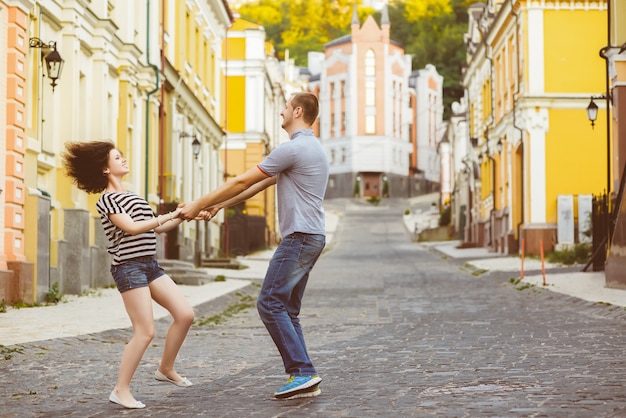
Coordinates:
[395,330]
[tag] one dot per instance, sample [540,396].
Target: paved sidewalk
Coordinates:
[589,286]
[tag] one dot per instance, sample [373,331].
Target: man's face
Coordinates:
[287,115]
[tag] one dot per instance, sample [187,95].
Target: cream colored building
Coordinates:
[116,85]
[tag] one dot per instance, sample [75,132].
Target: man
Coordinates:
[299,168]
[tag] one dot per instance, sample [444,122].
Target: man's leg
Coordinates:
[279,306]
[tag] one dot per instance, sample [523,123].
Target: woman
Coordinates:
[130,226]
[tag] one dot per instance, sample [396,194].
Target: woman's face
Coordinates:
[117,165]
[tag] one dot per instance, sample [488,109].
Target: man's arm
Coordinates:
[231,189]
[247,194]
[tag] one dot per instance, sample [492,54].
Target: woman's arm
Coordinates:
[160,223]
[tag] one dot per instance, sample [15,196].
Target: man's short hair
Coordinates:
[309,104]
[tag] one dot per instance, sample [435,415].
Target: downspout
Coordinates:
[521,131]
[493,180]
[225,95]
[150,93]
[608,98]
[471,172]
[161,185]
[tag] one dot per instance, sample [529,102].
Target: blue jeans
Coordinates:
[281,297]
[138,272]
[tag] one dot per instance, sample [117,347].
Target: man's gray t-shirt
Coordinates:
[302,169]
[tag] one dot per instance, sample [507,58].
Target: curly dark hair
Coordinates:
[85,162]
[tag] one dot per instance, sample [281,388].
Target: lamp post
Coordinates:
[53,60]
[195,150]
[592,114]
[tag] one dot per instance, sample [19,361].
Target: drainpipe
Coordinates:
[493,180]
[521,131]
[150,93]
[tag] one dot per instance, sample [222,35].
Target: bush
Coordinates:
[576,254]
[446,217]
[374,200]
[54,296]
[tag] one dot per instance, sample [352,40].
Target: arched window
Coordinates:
[370,92]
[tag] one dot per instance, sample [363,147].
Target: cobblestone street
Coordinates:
[394,329]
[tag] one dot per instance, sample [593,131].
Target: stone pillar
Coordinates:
[74,253]
[100,258]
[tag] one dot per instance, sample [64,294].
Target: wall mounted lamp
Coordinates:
[592,107]
[53,60]
[195,145]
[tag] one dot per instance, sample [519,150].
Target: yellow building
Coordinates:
[540,161]
[115,84]
[253,99]
[191,131]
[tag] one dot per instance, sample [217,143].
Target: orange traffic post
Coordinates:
[521,277]
[543,267]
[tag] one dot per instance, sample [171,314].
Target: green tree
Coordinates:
[431,31]
[301,26]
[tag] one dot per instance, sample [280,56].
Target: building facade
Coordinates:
[526,122]
[254,96]
[137,73]
[190,123]
[364,112]
[613,53]
[426,133]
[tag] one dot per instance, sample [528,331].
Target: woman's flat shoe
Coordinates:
[134,405]
[183,383]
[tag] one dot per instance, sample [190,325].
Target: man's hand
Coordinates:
[189,211]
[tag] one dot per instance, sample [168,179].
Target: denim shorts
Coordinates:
[138,272]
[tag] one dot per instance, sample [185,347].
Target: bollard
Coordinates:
[521,277]
[543,267]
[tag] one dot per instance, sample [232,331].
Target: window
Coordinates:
[370,92]
[370,124]
[370,64]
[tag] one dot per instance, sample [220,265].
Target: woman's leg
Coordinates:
[167,294]
[139,308]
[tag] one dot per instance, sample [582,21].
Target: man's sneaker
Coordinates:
[296,385]
[303,393]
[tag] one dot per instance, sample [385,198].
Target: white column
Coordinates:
[537,126]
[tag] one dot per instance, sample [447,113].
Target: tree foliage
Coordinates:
[431,31]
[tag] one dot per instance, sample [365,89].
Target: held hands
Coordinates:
[208,213]
[175,213]
[191,211]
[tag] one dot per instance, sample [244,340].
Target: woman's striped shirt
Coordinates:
[122,245]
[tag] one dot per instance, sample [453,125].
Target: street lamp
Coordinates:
[195,149]
[54,62]
[592,112]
